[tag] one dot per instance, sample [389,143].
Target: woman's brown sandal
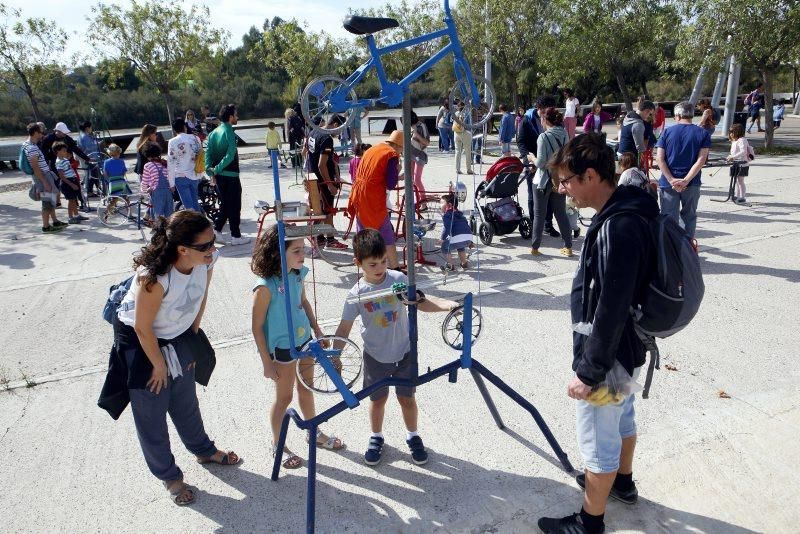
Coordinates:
[180,492]
[229,458]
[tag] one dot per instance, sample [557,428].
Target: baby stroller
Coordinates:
[504,215]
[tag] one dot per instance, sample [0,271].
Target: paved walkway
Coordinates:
[704,463]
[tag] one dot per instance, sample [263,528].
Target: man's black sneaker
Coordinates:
[51,229]
[627,497]
[563,525]
[418,452]
[60,224]
[552,232]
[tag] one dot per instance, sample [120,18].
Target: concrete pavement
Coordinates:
[704,463]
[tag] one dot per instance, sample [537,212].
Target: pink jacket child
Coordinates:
[590,124]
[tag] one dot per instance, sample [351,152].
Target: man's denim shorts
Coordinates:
[600,431]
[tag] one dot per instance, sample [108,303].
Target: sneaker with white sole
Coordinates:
[218,237]
[240,240]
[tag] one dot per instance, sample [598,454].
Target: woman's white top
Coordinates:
[183,296]
[570,107]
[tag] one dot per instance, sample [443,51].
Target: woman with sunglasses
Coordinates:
[166,300]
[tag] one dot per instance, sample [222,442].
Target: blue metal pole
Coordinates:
[530,408]
[410,252]
[311,499]
[276,467]
[273,154]
[466,332]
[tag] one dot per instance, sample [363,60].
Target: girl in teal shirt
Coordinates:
[271,332]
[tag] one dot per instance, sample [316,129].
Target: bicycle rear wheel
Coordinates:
[474,116]
[114,211]
[325,97]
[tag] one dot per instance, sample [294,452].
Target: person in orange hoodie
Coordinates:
[378,172]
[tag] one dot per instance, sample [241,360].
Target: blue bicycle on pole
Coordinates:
[326,96]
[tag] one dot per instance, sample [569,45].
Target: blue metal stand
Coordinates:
[349,399]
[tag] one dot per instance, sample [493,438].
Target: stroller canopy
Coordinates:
[502,179]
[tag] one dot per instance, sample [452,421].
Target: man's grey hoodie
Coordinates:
[632,138]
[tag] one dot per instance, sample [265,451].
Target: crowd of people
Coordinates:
[158,345]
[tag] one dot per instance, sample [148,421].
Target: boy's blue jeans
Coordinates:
[684,202]
[187,190]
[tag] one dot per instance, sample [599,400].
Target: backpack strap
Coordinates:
[655,359]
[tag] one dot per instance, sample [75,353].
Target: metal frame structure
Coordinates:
[321,355]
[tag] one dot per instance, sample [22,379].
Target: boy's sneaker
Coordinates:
[218,237]
[60,224]
[418,453]
[571,524]
[51,229]
[374,451]
[332,243]
[74,220]
[628,496]
[448,267]
[82,218]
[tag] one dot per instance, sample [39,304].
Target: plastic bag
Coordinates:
[617,385]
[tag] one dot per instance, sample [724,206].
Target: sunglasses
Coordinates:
[202,247]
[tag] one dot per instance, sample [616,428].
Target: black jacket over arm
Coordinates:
[617,262]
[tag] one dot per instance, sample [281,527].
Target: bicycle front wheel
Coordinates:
[473,116]
[325,97]
[114,211]
[347,362]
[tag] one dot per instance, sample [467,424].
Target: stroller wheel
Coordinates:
[525,227]
[486,232]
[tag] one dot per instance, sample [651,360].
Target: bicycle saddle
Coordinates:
[365,25]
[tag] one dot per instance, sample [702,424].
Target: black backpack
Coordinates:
[674,294]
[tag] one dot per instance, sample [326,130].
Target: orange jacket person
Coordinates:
[377,173]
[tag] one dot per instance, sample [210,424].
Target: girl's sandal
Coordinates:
[331,443]
[292,461]
[180,493]
[229,458]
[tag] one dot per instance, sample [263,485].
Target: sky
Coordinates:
[235,16]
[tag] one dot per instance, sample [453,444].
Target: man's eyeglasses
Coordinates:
[556,181]
[202,247]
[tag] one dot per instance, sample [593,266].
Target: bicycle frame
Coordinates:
[392,92]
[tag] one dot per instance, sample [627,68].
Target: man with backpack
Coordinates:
[616,266]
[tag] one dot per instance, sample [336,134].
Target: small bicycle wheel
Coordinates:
[474,116]
[453,327]
[209,201]
[486,233]
[325,97]
[114,211]
[348,362]
[525,227]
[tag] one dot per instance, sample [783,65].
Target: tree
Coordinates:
[763,33]
[162,41]
[596,35]
[30,54]
[512,31]
[303,55]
